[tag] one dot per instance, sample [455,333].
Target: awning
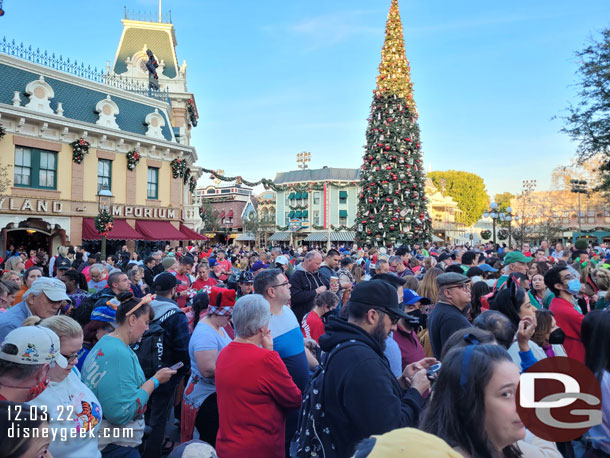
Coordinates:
[436,239]
[304,195]
[343,194]
[342,236]
[191,234]
[120,231]
[298,214]
[230,214]
[159,230]
[297,195]
[305,213]
[317,237]
[280,237]
[342,213]
[291,196]
[246,237]
[291,214]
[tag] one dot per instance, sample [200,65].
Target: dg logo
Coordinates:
[559,399]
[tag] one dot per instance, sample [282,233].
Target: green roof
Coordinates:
[323,174]
[160,42]
[342,213]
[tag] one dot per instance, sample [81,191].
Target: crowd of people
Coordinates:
[283,352]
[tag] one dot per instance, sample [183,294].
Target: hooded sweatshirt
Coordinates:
[303,287]
[361,395]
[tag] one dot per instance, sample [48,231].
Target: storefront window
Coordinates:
[104,174]
[152,184]
[316,198]
[35,168]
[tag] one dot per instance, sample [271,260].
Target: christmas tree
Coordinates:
[392,206]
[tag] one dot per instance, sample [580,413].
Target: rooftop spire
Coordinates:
[394,71]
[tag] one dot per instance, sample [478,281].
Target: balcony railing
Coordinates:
[21,51]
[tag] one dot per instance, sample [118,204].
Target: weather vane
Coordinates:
[219,172]
[303,158]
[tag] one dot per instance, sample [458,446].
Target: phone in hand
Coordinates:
[432,372]
[177,366]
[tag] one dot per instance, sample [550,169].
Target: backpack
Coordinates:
[151,349]
[313,437]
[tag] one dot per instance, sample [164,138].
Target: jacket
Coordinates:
[361,395]
[102,296]
[444,320]
[303,287]
[177,333]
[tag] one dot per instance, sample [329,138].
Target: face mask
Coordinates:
[416,318]
[557,337]
[36,390]
[574,286]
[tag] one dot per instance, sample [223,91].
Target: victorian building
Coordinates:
[69,132]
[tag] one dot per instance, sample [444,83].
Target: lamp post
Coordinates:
[493,213]
[579,187]
[508,218]
[104,197]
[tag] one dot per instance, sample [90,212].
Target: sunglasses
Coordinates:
[394,318]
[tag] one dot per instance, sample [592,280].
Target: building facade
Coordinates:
[70,132]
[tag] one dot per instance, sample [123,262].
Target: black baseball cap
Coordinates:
[164,282]
[377,294]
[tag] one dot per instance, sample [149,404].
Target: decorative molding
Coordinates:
[155,123]
[153,163]
[39,92]
[107,110]
[36,143]
[106,155]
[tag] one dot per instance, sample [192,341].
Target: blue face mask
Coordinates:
[574,286]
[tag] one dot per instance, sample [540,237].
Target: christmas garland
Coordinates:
[179,167]
[502,234]
[80,147]
[486,234]
[103,223]
[192,184]
[298,207]
[2,132]
[342,227]
[269,184]
[133,157]
[190,107]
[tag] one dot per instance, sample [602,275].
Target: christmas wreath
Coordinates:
[502,234]
[192,184]
[486,234]
[2,132]
[179,167]
[133,157]
[103,223]
[190,107]
[80,147]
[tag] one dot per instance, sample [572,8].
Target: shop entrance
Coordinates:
[32,234]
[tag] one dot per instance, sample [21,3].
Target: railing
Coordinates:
[81,70]
[147,16]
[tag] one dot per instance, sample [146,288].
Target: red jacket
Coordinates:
[570,321]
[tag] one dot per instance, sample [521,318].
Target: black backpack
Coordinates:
[313,437]
[151,349]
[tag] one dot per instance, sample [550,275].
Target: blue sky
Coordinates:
[273,78]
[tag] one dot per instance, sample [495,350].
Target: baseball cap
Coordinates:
[281,260]
[410,297]
[168,262]
[403,443]
[377,293]
[193,449]
[246,277]
[486,268]
[212,262]
[106,314]
[63,264]
[259,265]
[35,345]
[164,282]
[443,256]
[53,288]
[515,256]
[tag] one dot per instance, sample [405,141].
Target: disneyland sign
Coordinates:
[30,205]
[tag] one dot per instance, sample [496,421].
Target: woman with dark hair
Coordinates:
[498,324]
[197,310]
[548,335]
[76,288]
[465,337]
[540,292]
[103,321]
[514,303]
[29,277]
[596,338]
[479,289]
[537,268]
[112,371]
[473,407]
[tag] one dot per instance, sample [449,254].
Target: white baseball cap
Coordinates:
[35,345]
[53,288]
[282,260]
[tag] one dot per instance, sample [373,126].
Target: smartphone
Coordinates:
[432,372]
[177,366]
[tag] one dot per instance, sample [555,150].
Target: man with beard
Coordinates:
[361,395]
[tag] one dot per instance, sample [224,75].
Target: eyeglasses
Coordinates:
[394,318]
[281,284]
[71,358]
[465,287]
[568,277]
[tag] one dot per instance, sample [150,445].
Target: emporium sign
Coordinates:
[26,205]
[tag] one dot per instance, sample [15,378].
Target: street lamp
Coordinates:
[508,218]
[493,213]
[104,197]
[579,187]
